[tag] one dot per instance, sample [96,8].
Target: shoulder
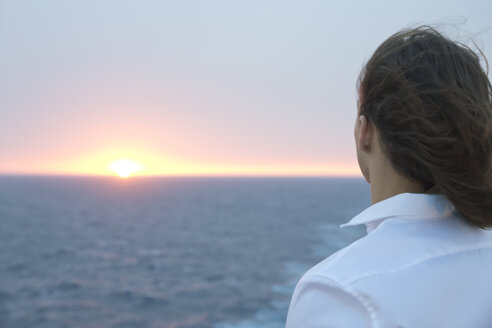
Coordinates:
[320,302]
[359,281]
[355,286]
[399,243]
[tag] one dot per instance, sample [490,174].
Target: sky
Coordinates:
[251,87]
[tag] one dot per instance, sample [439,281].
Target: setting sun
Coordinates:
[125,167]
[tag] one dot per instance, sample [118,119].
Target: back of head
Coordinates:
[431,101]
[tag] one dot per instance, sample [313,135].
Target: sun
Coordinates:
[125,167]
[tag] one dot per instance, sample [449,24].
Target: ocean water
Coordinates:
[175,252]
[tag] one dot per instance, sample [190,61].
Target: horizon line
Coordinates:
[191,175]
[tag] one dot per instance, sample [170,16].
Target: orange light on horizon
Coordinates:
[125,167]
[141,161]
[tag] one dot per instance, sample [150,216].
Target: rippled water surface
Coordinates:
[165,252]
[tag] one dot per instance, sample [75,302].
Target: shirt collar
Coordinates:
[411,205]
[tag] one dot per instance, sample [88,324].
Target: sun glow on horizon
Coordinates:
[125,167]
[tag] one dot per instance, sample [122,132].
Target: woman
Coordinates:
[424,143]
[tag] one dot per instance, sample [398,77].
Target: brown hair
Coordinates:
[431,101]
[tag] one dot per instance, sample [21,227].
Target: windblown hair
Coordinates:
[431,102]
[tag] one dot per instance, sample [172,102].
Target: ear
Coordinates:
[365,133]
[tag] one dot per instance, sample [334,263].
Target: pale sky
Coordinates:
[197,87]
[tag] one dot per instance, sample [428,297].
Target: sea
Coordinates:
[165,252]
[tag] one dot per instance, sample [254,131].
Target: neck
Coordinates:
[386,183]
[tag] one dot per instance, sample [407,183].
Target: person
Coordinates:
[423,136]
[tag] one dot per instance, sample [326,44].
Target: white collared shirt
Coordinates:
[420,265]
